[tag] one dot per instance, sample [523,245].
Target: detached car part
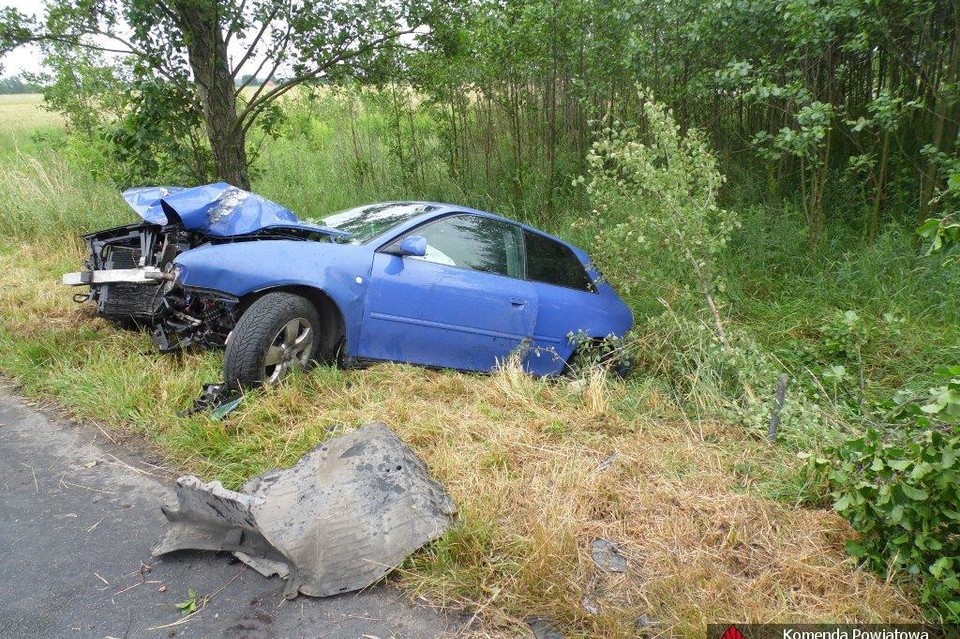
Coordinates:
[349,512]
[420,282]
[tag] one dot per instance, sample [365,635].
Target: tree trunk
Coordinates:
[941,111]
[211,74]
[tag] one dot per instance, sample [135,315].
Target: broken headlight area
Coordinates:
[193,318]
[134,282]
[130,268]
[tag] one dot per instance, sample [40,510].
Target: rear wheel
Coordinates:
[275,335]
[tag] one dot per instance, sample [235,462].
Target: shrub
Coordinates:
[900,489]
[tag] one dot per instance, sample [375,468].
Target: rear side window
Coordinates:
[553,263]
[476,243]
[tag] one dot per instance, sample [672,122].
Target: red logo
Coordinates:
[732,633]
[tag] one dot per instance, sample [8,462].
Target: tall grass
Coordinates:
[784,295]
[47,201]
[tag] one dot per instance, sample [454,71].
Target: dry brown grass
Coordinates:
[528,462]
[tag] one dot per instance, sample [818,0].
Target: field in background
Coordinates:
[22,120]
[688,500]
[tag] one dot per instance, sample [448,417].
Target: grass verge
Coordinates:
[523,458]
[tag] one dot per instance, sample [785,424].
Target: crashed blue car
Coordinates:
[420,282]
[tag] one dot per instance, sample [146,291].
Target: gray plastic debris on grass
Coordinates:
[350,511]
[607,555]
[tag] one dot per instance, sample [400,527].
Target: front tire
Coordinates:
[275,335]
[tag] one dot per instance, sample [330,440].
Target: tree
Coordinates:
[186,43]
[18,84]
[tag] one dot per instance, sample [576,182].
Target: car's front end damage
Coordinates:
[133,275]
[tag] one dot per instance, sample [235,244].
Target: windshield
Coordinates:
[367,222]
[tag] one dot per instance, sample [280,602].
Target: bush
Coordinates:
[900,491]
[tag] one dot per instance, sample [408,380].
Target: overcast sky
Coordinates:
[26,58]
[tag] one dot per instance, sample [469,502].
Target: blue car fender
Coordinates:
[240,269]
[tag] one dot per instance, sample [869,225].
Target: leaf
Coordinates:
[928,228]
[190,605]
[856,549]
[921,470]
[914,493]
[896,514]
[843,503]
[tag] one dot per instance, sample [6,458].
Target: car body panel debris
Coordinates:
[607,555]
[544,628]
[419,282]
[339,520]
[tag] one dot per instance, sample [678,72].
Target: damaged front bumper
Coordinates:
[131,275]
[134,281]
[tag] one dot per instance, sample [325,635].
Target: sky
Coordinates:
[25,58]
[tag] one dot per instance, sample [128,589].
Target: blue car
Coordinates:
[420,282]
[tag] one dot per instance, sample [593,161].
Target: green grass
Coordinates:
[785,296]
[25,125]
[688,498]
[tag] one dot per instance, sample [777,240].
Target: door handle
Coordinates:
[518,301]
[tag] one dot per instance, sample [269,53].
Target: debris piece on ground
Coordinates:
[543,628]
[607,555]
[609,461]
[339,520]
[226,408]
[590,605]
[216,398]
[643,621]
[577,386]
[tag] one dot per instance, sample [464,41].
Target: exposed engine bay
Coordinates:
[132,282]
[131,269]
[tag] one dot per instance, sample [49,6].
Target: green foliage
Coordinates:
[85,89]
[159,138]
[944,237]
[899,486]
[658,231]
[655,218]
[901,496]
[193,603]
[938,405]
[844,335]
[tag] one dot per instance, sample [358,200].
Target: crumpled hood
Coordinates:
[218,210]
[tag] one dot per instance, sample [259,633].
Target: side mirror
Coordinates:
[412,245]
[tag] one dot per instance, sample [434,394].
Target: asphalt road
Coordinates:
[78,516]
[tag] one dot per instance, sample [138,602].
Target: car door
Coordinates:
[568,302]
[463,305]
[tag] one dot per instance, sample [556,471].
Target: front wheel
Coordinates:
[275,335]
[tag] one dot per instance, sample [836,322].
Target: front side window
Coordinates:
[475,243]
[551,262]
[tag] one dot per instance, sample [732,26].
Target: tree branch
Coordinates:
[258,101]
[76,41]
[238,90]
[277,62]
[231,31]
[256,41]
